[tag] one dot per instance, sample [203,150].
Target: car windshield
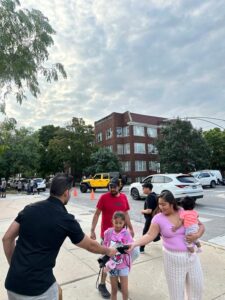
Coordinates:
[186,179]
[39,180]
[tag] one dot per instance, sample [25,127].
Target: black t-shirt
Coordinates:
[43,228]
[150,203]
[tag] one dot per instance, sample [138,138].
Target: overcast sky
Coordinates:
[157,57]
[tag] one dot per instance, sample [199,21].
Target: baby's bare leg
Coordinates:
[191,249]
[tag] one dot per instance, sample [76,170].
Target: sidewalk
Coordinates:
[76,269]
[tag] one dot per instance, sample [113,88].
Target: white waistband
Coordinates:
[181,253]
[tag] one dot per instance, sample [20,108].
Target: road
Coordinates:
[211,210]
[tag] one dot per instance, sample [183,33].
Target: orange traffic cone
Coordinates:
[92,195]
[75,192]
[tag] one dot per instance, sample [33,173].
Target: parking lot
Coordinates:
[211,210]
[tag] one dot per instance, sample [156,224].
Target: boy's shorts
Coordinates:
[117,273]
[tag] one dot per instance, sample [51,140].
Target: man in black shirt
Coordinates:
[41,229]
[149,206]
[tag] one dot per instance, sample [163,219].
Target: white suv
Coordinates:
[41,184]
[206,178]
[180,185]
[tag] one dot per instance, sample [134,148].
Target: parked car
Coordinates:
[205,178]
[13,183]
[41,184]
[218,175]
[180,185]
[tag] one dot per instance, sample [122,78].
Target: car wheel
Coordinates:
[83,188]
[213,184]
[135,194]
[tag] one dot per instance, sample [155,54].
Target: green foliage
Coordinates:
[25,36]
[103,161]
[66,149]
[47,151]
[21,153]
[216,140]
[182,148]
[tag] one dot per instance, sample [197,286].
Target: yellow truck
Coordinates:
[101,181]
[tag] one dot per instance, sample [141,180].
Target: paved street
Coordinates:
[211,210]
[76,270]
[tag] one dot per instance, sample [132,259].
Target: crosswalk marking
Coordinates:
[204,220]
[219,240]
[212,214]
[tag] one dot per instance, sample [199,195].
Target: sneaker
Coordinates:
[103,291]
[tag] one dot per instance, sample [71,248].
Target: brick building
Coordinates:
[132,136]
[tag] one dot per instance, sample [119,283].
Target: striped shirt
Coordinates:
[190,217]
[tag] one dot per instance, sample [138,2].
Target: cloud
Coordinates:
[156,57]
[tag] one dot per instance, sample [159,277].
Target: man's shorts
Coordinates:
[117,273]
[52,293]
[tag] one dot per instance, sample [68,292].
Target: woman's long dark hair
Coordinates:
[168,197]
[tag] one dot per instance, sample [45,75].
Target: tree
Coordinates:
[182,148]
[103,161]
[47,164]
[21,155]
[81,145]
[216,140]
[6,129]
[25,36]
[66,149]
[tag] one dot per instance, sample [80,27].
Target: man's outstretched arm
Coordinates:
[9,240]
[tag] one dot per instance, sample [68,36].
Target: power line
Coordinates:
[202,119]
[206,118]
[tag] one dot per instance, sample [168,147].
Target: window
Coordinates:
[186,179]
[158,179]
[140,165]
[119,148]
[126,149]
[123,148]
[148,179]
[99,137]
[126,131]
[109,147]
[204,175]
[97,176]
[119,131]
[152,149]
[122,131]
[152,132]
[126,165]
[105,176]
[108,133]
[168,179]
[139,148]
[139,130]
[154,166]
